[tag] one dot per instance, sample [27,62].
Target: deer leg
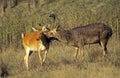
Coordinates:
[76,52]
[40,57]
[26,58]
[103,45]
[45,56]
[81,52]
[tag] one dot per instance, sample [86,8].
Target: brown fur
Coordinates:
[83,35]
[36,41]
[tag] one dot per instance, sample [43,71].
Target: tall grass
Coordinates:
[60,61]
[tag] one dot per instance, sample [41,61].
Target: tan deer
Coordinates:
[36,41]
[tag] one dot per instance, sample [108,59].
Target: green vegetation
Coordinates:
[60,61]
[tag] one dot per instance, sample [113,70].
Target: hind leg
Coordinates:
[76,52]
[81,52]
[103,44]
[26,58]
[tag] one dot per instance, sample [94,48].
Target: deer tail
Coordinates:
[22,35]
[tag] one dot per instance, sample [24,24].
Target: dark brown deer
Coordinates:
[83,35]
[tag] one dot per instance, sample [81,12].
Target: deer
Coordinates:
[36,41]
[80,36]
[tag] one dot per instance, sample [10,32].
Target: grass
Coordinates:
[60,62]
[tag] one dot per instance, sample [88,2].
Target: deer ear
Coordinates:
[34,29]
[58,28]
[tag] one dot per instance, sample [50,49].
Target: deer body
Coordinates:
[83,35]
[35,41]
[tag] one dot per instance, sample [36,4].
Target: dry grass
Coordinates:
[60,62]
